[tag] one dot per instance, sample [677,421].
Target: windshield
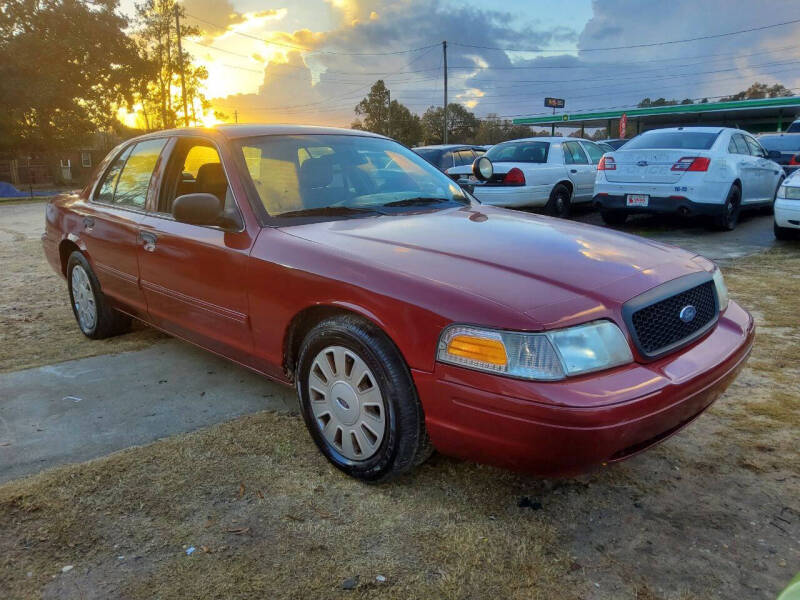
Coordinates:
[342,175]
[689,140]
[526,152]
[784,143]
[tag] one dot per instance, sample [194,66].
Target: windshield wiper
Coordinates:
[420,201]
[330,211]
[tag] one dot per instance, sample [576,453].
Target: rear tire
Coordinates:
[784,234]
[368,421]
[95,316]
[729,218]
[614,217]
[559,204]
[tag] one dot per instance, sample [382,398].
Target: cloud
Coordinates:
[324,84]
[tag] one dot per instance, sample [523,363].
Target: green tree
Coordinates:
[760,90]
[493,130]
[461,124]
[376,113]
[158,92]
[66,66]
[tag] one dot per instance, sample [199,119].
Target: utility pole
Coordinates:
[389,127]
[444,50]
[236,116]
[180,62]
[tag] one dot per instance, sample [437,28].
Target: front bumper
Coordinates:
[787,213]
[567,427]
[676,205]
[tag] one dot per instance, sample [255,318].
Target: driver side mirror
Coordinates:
[482,168]
[198,209]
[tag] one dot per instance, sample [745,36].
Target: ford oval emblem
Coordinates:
[642,163]
[688,313]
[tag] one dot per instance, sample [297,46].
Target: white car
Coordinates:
[690,171]
[787,208]
[549,172]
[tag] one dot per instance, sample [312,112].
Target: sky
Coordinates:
[311,61]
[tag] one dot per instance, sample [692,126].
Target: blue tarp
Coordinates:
[9,191]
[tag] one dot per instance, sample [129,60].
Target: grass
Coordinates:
[38,327]
[712,513]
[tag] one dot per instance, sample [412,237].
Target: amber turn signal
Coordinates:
[481,349]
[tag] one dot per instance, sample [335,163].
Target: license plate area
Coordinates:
[637,200]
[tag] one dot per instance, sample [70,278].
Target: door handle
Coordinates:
[88,222]
[149,240]
[573,170]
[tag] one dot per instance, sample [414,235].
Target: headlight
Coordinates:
[789,192]
[722,289]
[543,356]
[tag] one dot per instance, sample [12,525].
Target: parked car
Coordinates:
[692,171]
[785,148]
[787,209]
[444,157]
[794,127]
[615,143]
[549,172]
[407,315]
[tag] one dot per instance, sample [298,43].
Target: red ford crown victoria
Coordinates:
[408,315]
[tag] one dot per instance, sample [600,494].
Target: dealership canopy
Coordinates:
[766,114]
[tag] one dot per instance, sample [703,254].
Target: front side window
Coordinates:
[527,152]
[307,175]
[195,167]
[131,191]
[594,151]
[755,147]
[573,154]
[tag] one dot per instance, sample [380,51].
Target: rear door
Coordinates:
[580,170]
[749,173]
[111,222]
[195,277]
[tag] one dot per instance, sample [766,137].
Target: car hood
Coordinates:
[554,271]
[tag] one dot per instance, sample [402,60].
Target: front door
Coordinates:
[195,277]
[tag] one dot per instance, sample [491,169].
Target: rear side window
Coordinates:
[105,193]
[737,145]
[573,154]
[135,177]
[464,157]
[594,151]
[526,152]
[678,140]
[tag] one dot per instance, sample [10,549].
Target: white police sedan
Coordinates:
[787,209]
[548,172]
[691,171]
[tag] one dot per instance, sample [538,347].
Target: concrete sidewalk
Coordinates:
[82,409]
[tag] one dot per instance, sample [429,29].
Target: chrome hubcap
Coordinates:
[346,402]
[83,298]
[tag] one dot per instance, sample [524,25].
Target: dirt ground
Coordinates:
[714,512]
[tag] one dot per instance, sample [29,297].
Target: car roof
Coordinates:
[692,128]
[231,131]
[790,134]
[547,138]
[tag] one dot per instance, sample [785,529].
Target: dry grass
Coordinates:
[270,518]
[36,323]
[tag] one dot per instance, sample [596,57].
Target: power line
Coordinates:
[631,46]
[309,50]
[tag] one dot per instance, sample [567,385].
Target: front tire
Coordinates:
[559,203]
[95,316]
[729,218]
[784,234]
[359,401]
